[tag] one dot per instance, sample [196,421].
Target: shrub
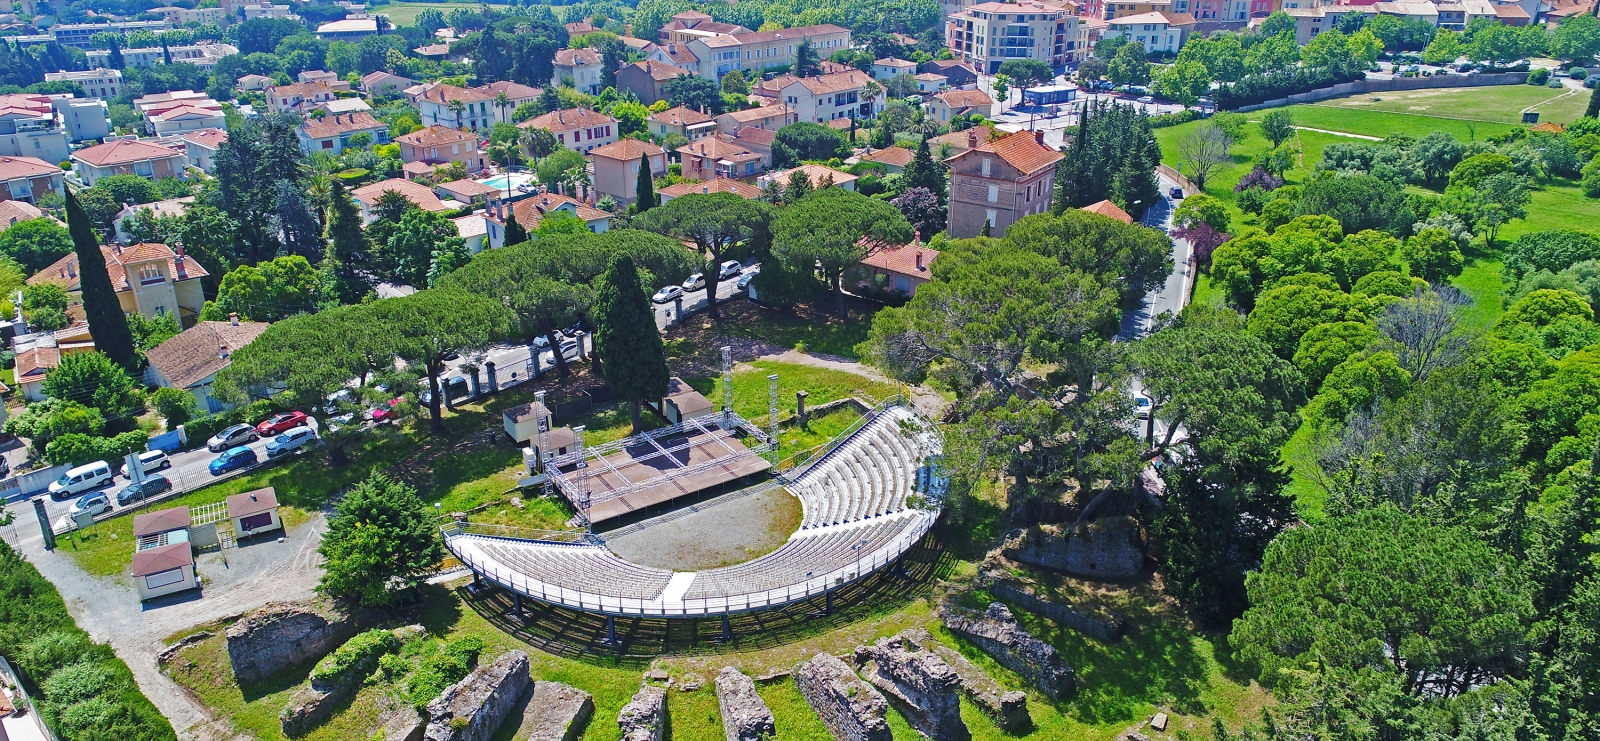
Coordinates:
[176,406]
[1539,76]
[1577,73]
[75,683]
[443,668]
[76,448]
[356,657]
[1163,120]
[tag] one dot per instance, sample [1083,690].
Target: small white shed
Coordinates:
[164,570]
[254,512]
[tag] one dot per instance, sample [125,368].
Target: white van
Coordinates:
[81,479]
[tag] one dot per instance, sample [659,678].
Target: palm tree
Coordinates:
[869,93]
[501,103]
[456,107]
[319,188]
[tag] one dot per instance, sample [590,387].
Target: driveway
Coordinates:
[236,580]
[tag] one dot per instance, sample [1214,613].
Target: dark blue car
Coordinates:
[239,457]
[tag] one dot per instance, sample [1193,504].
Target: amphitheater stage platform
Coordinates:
[646,470]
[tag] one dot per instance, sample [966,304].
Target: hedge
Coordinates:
[81,689]
[356,658]
[1163,120]
[1253,89]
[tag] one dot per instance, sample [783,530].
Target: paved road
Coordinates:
[694,301]
[1171,296]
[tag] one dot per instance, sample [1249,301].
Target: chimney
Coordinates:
[233,316]
[919,259]
[1038,136]
[972,139]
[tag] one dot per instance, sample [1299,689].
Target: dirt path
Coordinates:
[111,612]
[927,401]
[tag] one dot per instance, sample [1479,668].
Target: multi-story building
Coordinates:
[266,10]
[180,111]
[297,96]
[438,104]
[29,128]
[202,147]
[78,34]
[648,79]
[999,182]
[530,211]
[762,50]
[987,35]
[946,105]
[349,29]
[96,83]
[693,24]
[579,129]
[515,95]
[381,83]
[580,68]
[149,279]
[184,16]
[772,117]
[27,178]
[840,95]
[955,72]
[890,68]
[204,56]
[128,157]
[721,156]
[1111,10]
[820,176]
[440,145]
[616,168]
[685,122]
[1158,33]
[332,133]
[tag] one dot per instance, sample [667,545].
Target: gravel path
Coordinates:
[110,610]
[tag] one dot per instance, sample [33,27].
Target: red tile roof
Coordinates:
[33,364]
[719,185]
[530,211]
[1109,210]
[680,116]
[965,98]
[163,558]
[661,71]
[837,82]
[193,355]
[123,152]
[151,523]
[433,136]
[415,192]
[567,120]
[895,156]
[441,93]
[64,272]
[252,502]
[13,168]
[208,138]
[340,123]
[574,57]
[903,259]
[627,149]
[1021,150]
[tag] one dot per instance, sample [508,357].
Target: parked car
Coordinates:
[729,269]
[279,422]
[152,460]
[746,279]
[454,388]
[667,294]
[1141,406]
[232,437]
[340,422]
[153,486]
[92,503]
[569,349]
[81,479]
[337,398]
[291,440]
[543,341]
[1146,99]
[239,457]
[695,282]
[385,411]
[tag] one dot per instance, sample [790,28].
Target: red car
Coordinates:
[385,411]
[279,422]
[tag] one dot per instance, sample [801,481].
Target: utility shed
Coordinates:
[683,402]
[163,570]
[254,512]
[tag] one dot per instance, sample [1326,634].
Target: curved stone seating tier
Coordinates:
[854,521]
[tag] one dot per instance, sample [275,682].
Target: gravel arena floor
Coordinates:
[732,530]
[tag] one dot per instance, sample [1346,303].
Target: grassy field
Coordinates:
[405,14]
[1498,104]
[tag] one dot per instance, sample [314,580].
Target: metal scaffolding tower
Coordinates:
[772,415]
[544,428]
[583,471]
[727,382]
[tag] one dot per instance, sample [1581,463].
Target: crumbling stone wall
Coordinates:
[473,708]
[1106,627]
[918,683]
[745,716]
[1108,548]
[1008,708]
[996,632]
[851,709]
[645,717]
[283,635]
[557,712]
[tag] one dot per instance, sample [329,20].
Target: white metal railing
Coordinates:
[844,436]
[577,599]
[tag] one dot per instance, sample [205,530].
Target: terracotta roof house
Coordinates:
[1000,181]
[756,140]
[15,212]
[333,133]
[367,196]
[955,72]
[150,278]
[532,210]
[1548,127]
[648,79]
[719,185]
[254,512]
[951,103]
[930,82]
[893,159]
[949,145]
[772,117]
[253,82]
[721,156]
[381,84]
[616,168]
[579,129]
[904,268]
[32,365]
[516,94]
[432,51]
[685,122]
[477,106]
[817,174]
[835,97]
[128,157]
[438,145]
[202,147]
[27,178]
[474,230]
[190,360]
[149,524]
[293,97]
[1110,211]
[172,207]
[582,68]
[466,190]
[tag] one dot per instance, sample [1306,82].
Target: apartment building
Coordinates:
[83,118]
[579,129]
[987,35]
[128,157]
[616,168]
[437,103]
[333,133]
[824,98]
[760,50]
[29,128]
[999,182]
[581,67]
[1158,33]
[770,117]
[27,178]
[204,56]
[179,111]
[96,83]
[721,156]
[439,145]
[202,147]
[693,24]
[297,96]
[184,16]
[78,34]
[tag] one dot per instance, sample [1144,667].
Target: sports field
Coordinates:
[405,14]
[1502,104]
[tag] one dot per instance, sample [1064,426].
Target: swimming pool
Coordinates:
[506,180]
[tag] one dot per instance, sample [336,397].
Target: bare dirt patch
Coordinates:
[731,532]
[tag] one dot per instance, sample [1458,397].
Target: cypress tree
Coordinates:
[626,338]
[1594,103]
[347,250]
[114,59]
[515,234]
[100,306]
[923,173]
[986,225]
[166,54]
[644,192]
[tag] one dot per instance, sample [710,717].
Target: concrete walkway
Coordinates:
[1342,133]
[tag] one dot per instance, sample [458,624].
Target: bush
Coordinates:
[442,669]
[1577,73]
[76,448]
[1163,120]
[1539,76]
[176,406]
[356,658]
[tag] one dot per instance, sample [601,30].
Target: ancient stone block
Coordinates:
[557,712]
[401,722]
[283,635]
[1008,708]
[645,717]
[851,709]
[745,716]
[998,634]
[1109,548]
[1106,627]
[473,708]
[918,683]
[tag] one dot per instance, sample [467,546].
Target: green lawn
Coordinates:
[405,14]
[1381,114]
